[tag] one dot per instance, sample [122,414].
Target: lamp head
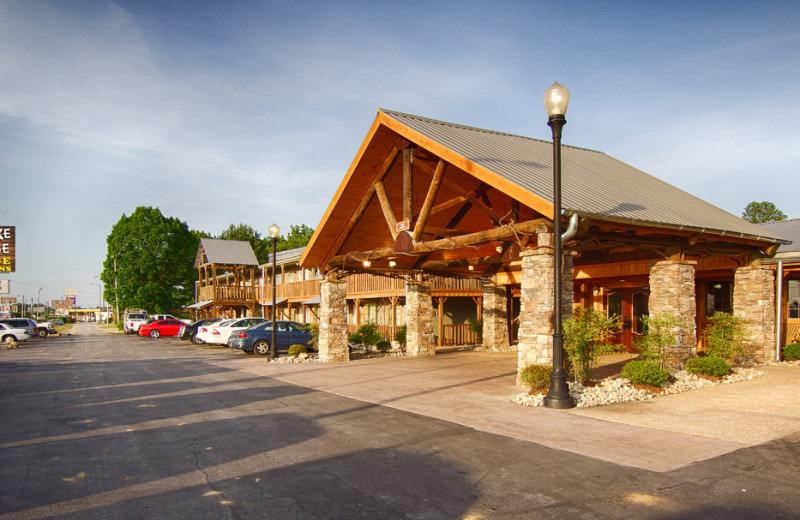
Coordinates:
[274,231]
[556,99]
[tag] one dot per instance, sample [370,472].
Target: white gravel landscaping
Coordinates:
[619,390]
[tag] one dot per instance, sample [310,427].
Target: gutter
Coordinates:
[779,317]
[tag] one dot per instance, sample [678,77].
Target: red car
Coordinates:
[161,328]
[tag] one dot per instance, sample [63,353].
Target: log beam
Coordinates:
[386,206]
[433,189]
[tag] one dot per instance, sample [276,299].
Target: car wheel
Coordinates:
[196,340]
[154,333]
[9,339]
[261,348]
[42,333]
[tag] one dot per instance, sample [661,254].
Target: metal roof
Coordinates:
[225,252]
[788,229]
[593,184]
[283,257]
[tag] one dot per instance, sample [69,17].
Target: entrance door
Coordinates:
[630,304]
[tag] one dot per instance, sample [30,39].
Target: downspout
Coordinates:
[780,312]
[571,229]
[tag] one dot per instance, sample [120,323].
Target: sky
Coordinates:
[251,111]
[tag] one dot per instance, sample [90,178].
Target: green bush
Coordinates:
[536,377]
[585,337]
[313,329]
[369,334]
[296,350]
[723,336]
[383,345]
[400,336]
[708,365]
[659,336]
[476,326]
[644,373]
[791,352]
[355,337]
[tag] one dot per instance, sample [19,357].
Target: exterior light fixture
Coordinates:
[274,233]
[556,99]
[366,263]
[471,267]
[392,263]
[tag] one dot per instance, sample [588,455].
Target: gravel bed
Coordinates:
[619,390]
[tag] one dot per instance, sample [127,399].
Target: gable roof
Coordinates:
[593,184]
[788,229]
[224,252]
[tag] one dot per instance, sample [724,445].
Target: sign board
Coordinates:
[70,292]
[5,286]
[61,304]
[71,300]
[403,225]
[8,300]
[8,249]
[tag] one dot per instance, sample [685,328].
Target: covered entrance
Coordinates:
[630,305]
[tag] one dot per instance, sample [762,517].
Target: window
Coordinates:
[794,299]
[718,297]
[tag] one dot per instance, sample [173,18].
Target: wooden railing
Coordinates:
[228,293]
[792,333]
[459,334]
[366,284]
[302,290]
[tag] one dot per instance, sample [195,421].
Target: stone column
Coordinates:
[495,316]
[419,320]
[333,320]
[537,301]
[672,292]
[754,306]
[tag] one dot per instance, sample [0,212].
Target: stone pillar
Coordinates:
[754,306]
[333,320]
[419,320]
[672,292]
[495,316]
[536,302]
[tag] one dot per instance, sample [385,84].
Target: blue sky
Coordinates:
[251,111]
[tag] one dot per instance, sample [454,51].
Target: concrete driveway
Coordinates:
[475,389]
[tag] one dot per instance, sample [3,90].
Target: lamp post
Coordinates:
[274,233]
[556,99]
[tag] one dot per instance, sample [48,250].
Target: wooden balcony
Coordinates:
[228,293]
[452,334]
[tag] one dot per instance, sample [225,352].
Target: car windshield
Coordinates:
[267,325]
[136,316]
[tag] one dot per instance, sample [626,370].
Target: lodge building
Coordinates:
[436,224]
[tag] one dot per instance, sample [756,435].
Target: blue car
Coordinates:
[258,339]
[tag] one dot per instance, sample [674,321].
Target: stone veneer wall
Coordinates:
[536,303]
[333,321]
[754,305]
[495,316]
[672,291]
[419,320]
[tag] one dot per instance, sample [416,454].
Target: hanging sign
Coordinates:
[8,249]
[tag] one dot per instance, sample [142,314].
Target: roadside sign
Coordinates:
[5,286]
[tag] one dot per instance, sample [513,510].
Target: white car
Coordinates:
[204,331]
[220,333]
[134,320]
[9,333]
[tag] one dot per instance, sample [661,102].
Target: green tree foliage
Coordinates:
[724,336]
[261,246]
[298,236]
[660,333]
[757,212]
[586,336]
[154,262]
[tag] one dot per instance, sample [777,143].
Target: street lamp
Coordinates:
[556,99]
[274,233]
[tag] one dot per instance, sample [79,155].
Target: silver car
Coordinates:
[10,334]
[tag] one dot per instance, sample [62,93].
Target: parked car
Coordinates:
[29,326]
[220,333]
[205,331]
[10,333]
[259,338]
[190,331]
[134,320]
[161,328]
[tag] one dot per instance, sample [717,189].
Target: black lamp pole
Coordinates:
[558,394]
[274,233]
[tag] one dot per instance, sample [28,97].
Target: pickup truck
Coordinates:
[44,328]
[134,320]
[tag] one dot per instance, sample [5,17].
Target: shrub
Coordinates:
[585,336]
[644,373]
[476,326]
[383,345]
[791,352]
[400,336]
[708,365]
[658,338]
[296,350]
[369,334]
[355,337]
[536,377]
[313,329]
[723,336]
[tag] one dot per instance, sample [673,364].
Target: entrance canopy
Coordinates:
[425,195]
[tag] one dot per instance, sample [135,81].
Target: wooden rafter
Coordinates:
[420,248]
[433,189]
[386,206]
[425,168]
[408,172]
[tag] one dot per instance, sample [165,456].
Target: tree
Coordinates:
[757,212]
[154,258]
[261,246]
[298,236]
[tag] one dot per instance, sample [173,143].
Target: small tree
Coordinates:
[369,334]
[400,336]
[724,336]
[586,336]
[757,212]
[658,338]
